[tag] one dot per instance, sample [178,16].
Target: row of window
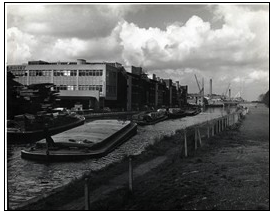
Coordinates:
[90,87]
[59,73]
[90,72]
[40,73]
[80,87]
[64,72]
[19,73]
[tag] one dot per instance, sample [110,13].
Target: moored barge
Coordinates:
[92,140]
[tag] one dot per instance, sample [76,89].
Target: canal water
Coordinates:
[28,180]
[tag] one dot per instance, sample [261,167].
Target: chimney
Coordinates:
[229,93]
[177,85]
[210,87]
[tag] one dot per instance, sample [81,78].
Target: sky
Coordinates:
[228,43]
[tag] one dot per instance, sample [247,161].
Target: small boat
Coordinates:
[149,118]
[174,113]
[29,128]
[192,111]
[92,140]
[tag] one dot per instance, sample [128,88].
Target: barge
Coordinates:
[92,140]
[149,118]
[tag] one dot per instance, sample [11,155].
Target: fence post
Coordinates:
[222,123]
[130,175]
[87,196]
[199,135]
[185,144]
[208,131]
[196,145]
[213,129]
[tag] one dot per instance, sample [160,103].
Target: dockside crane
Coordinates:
[227,90]
[201,90]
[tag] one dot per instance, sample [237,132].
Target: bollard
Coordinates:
[185,144]
[196,145]
[199,135]
[87,196]
[130,175]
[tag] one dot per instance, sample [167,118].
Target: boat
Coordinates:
[213,102]
[174,113]
[149,118]
[29,128]
[192,111]
[92,140]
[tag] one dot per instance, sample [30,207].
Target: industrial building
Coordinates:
[86,85]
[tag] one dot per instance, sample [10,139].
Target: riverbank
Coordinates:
[229,172]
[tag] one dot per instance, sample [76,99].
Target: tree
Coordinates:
[31,99]
[265,98]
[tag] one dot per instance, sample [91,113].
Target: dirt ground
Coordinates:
[229,172]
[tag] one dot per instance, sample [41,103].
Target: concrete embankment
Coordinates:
[104,178]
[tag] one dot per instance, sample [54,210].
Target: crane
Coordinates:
[227,89]
[198,84]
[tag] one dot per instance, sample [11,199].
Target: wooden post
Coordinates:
[185,144]
[199,135]
[213,129]
[196,145]
[87,196]
[130,175]
[47,149]
[208,131]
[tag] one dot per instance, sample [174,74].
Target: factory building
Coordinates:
[91,85]
[86,85]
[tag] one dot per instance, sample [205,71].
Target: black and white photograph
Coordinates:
[139,106]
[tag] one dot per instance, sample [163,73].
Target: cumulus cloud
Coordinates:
[238,42]
[19,45]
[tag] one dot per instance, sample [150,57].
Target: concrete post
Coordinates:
[196,145]
[185,144]
[199,135]
[213,129]
[87,196]
[130,175]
